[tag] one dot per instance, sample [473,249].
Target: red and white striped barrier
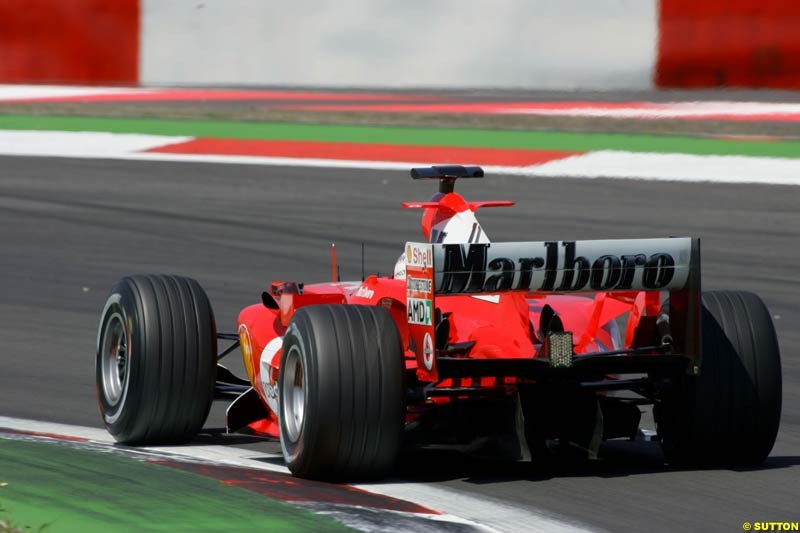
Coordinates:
[534,44]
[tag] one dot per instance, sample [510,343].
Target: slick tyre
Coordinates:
[156,360]
[341,391]
[729,414]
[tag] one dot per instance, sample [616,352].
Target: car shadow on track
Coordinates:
[220,436]
[616,459]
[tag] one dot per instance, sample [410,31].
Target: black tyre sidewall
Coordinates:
[354,412]
[171,360]
[121,418]
[730,413]
[298,335]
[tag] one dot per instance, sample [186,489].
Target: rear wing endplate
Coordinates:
[548,267]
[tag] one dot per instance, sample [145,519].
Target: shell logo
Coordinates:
[408,253]
[247,350]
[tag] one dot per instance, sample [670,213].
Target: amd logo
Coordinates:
[419,311]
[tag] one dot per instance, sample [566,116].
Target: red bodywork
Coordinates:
[496,325]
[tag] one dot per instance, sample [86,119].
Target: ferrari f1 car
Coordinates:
[523,348]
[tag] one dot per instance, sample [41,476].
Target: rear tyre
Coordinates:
[730,413]
[156,360]
[341,393]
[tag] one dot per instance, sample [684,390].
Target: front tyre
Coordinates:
[156,360]
[730,413]
[341,392]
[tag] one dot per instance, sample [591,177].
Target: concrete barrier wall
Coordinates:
[527,44]
[444,43]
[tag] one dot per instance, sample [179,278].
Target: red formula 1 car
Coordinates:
[523,348]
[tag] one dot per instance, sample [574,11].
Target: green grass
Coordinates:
[7,524]
[66,489]
[410,136]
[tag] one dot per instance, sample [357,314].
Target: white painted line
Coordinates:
[673,167]
[36,426]
[492,512]
[308,162]
[602,164]
[487,513]
[401,521]
[79,143]
[217,454]
[102,145]
[665,110]
[36,92]
[272,161]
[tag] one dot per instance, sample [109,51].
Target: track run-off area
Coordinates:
[527,153]
[85,201]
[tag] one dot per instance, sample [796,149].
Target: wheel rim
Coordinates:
[293,394]
[115,366]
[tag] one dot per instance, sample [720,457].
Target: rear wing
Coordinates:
[447,175]
[548,267]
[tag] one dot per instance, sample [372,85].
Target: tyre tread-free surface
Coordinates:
[172,360]
[730,413]
[354,412]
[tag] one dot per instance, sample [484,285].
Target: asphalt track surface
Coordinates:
[69,228]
